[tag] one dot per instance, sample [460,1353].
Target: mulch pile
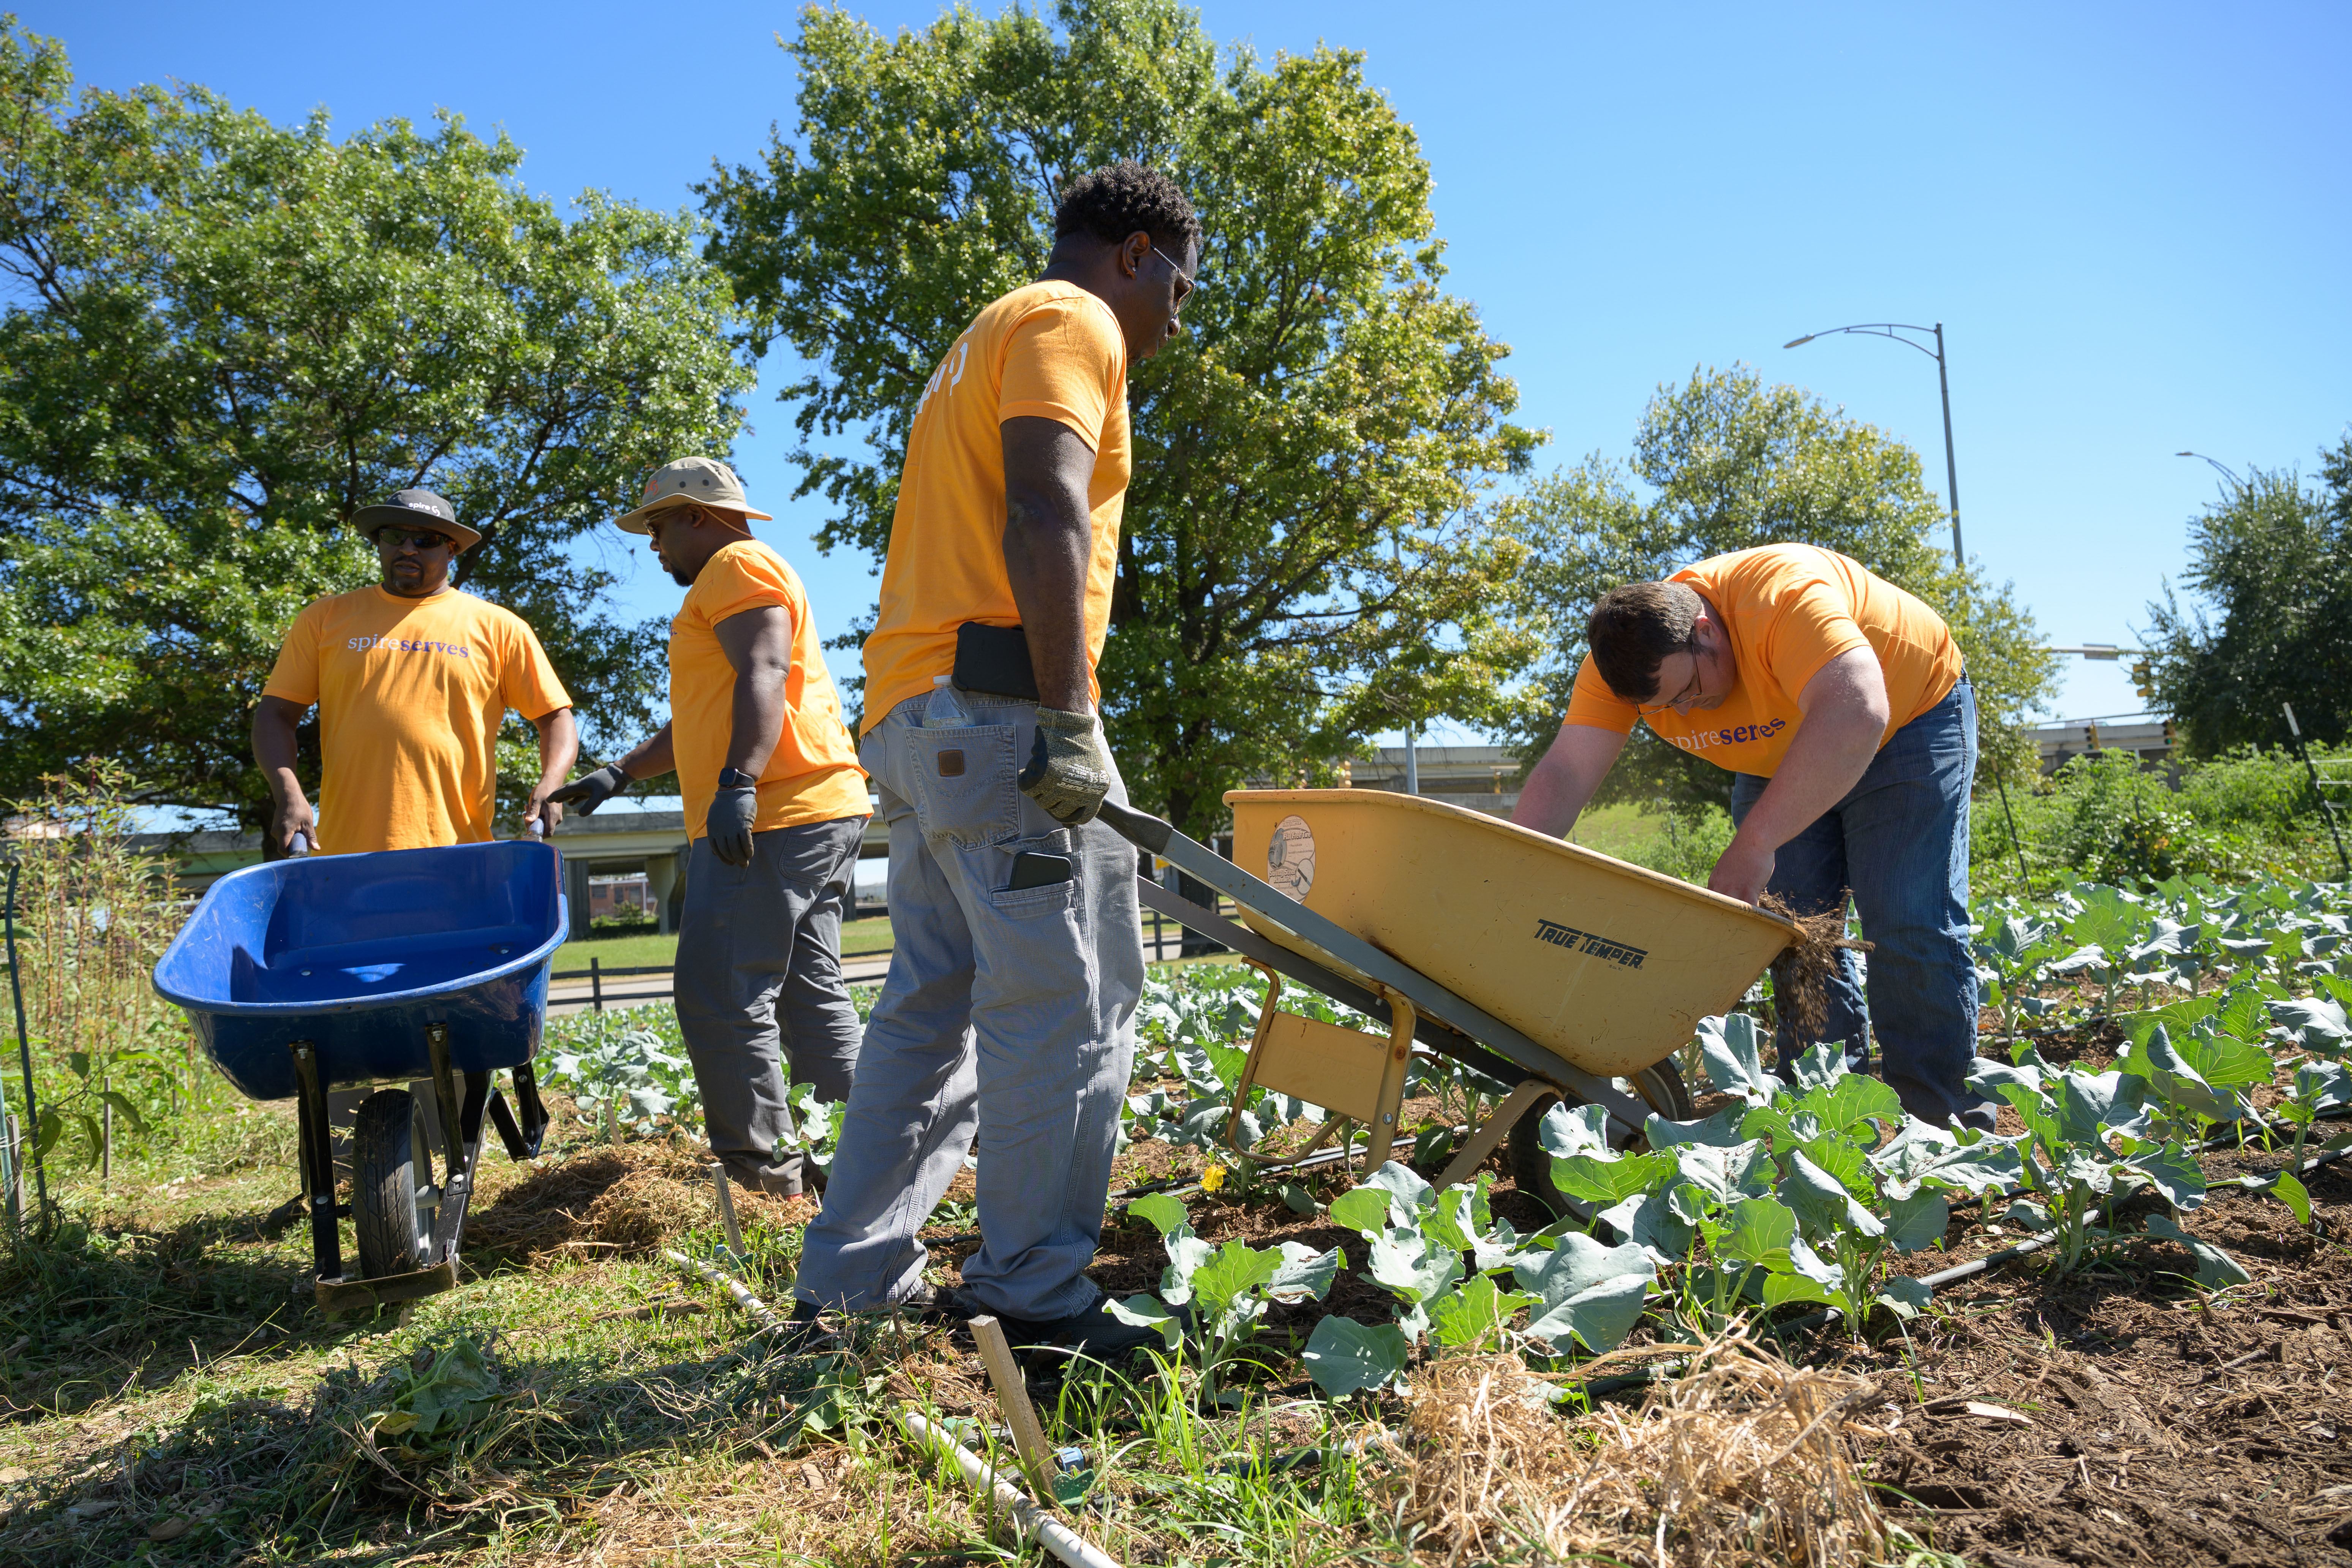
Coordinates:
[618,1200]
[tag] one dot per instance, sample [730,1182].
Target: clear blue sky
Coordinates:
[2130,219]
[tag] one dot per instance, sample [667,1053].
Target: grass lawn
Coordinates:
[644,950]
[1616,829]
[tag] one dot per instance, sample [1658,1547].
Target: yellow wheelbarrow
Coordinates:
[1564,972]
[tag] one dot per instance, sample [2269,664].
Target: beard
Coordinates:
[683,579]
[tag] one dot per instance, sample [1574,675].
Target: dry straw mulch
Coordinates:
[618,1200]
[1741,1461]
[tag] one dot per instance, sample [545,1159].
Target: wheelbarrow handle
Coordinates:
[1138,829]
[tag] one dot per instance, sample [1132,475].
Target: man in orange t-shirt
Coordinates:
[1009,1014]
[775,805]
[412,678]
[1840,703]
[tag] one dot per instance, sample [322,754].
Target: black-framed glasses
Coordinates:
[421,538]
[1689,694]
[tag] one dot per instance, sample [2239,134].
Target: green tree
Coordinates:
[1306,556]
[1725,462]
[2273,560]
[224,335]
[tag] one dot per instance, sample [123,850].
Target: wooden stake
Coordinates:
[1012,1398]
[727,1211]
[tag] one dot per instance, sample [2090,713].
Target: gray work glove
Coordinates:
[1069,771]
[732,813]
[593,791]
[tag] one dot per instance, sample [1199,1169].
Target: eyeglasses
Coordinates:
[1689,694]
[421,538]
[1190,282]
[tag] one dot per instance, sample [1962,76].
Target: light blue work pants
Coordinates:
[1008,1014]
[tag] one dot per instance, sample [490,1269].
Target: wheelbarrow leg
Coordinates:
[1491,1132]
[318,1159]
[464,1117]
[1402,1018]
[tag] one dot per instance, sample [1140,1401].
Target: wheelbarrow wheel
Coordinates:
[1660,1087]
[392,1195]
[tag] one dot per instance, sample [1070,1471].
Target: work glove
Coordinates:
[1069,771]
[593,791]
[732,813]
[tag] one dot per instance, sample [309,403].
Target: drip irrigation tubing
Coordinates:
[1030,1521]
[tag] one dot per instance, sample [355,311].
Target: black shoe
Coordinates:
[1092,1334]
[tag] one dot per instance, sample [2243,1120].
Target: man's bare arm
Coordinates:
[1562,781]
[757,642]
[1846,714]
[558,748]
[1048,546]
[275,721]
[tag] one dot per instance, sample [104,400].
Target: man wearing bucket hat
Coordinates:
[412,678]
[1008,1019]
[775,805]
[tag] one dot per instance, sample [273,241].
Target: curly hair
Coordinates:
[1118,199]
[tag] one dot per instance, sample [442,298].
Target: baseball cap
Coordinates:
[703,481]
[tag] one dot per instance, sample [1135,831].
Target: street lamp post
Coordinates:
[2226,472]
[1895,329]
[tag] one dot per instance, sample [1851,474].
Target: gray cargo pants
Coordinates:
[1008,1014]
[759,981]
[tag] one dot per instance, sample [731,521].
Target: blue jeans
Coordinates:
[1008,1021]
[1898,844]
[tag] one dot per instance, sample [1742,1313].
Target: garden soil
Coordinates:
[2123,1418]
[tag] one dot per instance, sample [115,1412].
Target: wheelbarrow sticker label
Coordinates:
[1591,942]
[1290,858]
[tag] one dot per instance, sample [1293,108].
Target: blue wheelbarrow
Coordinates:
[424,967]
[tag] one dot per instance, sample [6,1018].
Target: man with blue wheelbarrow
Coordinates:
[1839,702]
[412,678]
[1008,1017]
[775,807]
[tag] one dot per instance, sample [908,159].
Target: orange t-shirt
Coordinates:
[1789,610]
[411,694]
[1052,351]
[813,775]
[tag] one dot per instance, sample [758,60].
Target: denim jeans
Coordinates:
[1898,843]
[1008,1016]
[759,984]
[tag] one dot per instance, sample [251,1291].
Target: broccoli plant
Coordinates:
[1213,1297]
[2083,1146]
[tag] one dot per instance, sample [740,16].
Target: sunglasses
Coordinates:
[421,538]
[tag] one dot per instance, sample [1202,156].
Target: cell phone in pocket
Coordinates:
[1030,870]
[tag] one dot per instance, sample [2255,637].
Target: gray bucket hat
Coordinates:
[702,481]
[415,509]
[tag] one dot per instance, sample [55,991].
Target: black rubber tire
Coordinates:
[1660,1087]
[393,1196]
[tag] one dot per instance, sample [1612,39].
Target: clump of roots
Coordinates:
[1741,1461]
[1800,976]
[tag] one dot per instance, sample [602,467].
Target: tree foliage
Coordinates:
[1725,462]
[2273,560]
[224,336]
[1305,557]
